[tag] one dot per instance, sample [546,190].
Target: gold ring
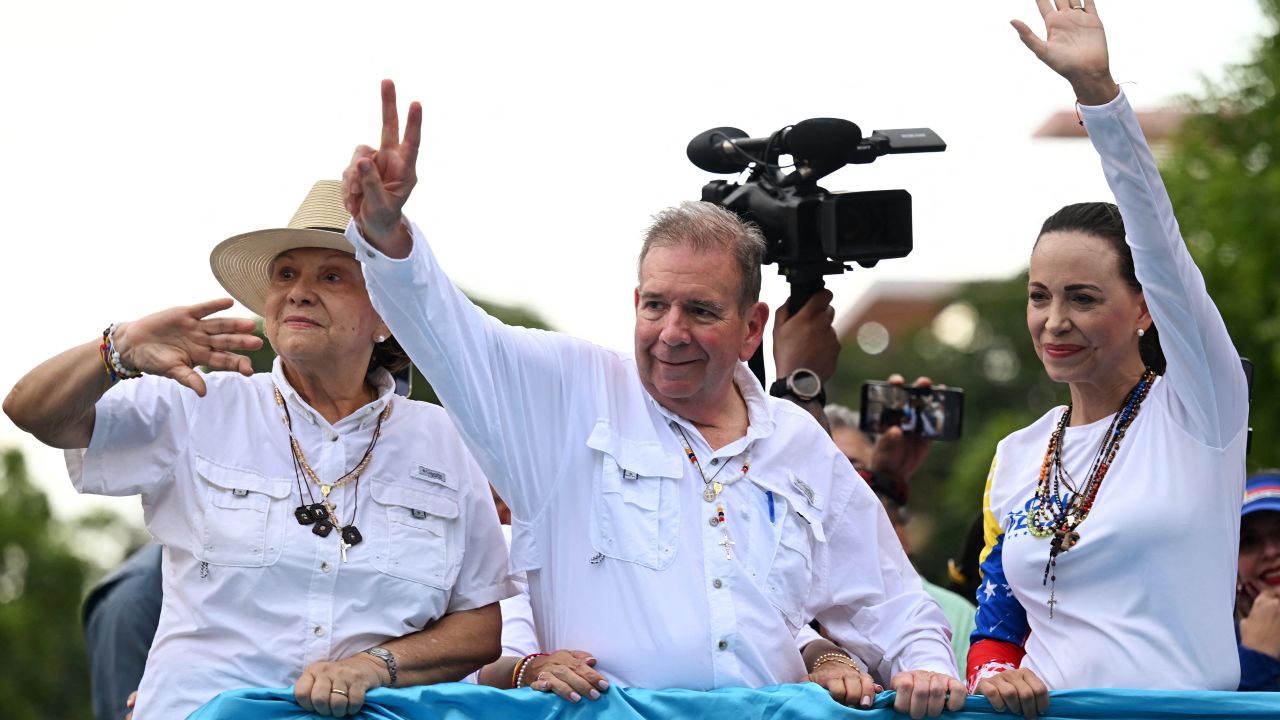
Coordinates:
[343,693]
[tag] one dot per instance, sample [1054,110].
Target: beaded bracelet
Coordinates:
[111,356]
[517,675]
[835,657]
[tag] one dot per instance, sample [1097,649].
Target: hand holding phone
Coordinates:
[933,413]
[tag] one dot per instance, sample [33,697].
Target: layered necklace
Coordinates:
[1052,515]
[711,489]
[321,515]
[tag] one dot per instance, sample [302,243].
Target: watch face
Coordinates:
[805,384]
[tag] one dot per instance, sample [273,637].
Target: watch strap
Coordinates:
[388,659]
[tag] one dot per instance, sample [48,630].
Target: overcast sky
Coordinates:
[138,135]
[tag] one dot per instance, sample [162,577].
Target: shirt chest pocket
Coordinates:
[637,511]
[791,571]
[242,518]
[423,540]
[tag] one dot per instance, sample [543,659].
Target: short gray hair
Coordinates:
[702,227]
[841,416]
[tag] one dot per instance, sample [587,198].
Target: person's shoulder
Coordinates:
[945,596]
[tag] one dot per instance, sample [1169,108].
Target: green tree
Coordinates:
[1225,184]
[988,355]
[42,582]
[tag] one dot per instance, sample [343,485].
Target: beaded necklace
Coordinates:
[711,491]
[323,516]
[1053,515]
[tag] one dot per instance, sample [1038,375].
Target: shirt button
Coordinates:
[723,644]
[319,631]
[715,461]
[333,437]
[713,521]
[716,583]
[325,567]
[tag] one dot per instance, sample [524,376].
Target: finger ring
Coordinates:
[1078,7]
[343,693]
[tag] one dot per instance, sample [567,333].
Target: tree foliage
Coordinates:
[1222,174]
[41,584]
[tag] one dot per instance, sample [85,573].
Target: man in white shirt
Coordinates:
[670,515]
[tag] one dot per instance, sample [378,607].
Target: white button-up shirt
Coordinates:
[608,515]
[251,597]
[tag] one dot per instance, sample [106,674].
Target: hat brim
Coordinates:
[242,264]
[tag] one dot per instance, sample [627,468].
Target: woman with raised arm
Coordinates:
[1099,513]
[318,529]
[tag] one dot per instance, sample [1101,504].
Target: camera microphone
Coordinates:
[728,150]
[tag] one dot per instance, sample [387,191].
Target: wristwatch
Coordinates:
[385,656]
[802,384]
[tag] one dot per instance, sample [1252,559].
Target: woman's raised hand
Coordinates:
[172,342]
[1074,46]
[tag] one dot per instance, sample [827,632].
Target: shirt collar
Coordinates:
[359,419]
[760,421]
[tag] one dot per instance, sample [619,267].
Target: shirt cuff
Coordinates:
[479,597]
[373,258]
[1118,105]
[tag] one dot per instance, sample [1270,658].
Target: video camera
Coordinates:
[810,232]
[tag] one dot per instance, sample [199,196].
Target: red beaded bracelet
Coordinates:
[517,674]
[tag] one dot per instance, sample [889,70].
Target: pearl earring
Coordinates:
[1141,332]
[383,338]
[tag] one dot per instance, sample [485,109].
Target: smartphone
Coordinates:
[932,413]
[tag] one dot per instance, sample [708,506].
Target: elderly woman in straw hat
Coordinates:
[317,528]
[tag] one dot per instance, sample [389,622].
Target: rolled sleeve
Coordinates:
[140,428]
[483,578]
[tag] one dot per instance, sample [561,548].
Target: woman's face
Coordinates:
[1082,316]
[317,312]
[1259,551]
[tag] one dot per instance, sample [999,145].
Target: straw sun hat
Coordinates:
[242,264]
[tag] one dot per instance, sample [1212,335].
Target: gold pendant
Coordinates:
[325,490]
[718,487]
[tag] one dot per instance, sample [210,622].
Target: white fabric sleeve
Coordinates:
[505,387]
[483,578]
[866,593]
[140,429]
[1203,366]
[518,635]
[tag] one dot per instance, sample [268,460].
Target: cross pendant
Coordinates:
[726,543]
[343,545]
[1053,600]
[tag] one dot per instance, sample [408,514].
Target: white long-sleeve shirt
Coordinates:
[608,516]
[1145,599]
[251,597]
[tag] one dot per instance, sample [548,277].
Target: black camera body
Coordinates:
[808,225]
[812,232]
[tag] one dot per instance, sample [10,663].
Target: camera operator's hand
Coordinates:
[896,453]
[807,339]
[377,182]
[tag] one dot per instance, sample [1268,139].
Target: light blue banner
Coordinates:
[457,701]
